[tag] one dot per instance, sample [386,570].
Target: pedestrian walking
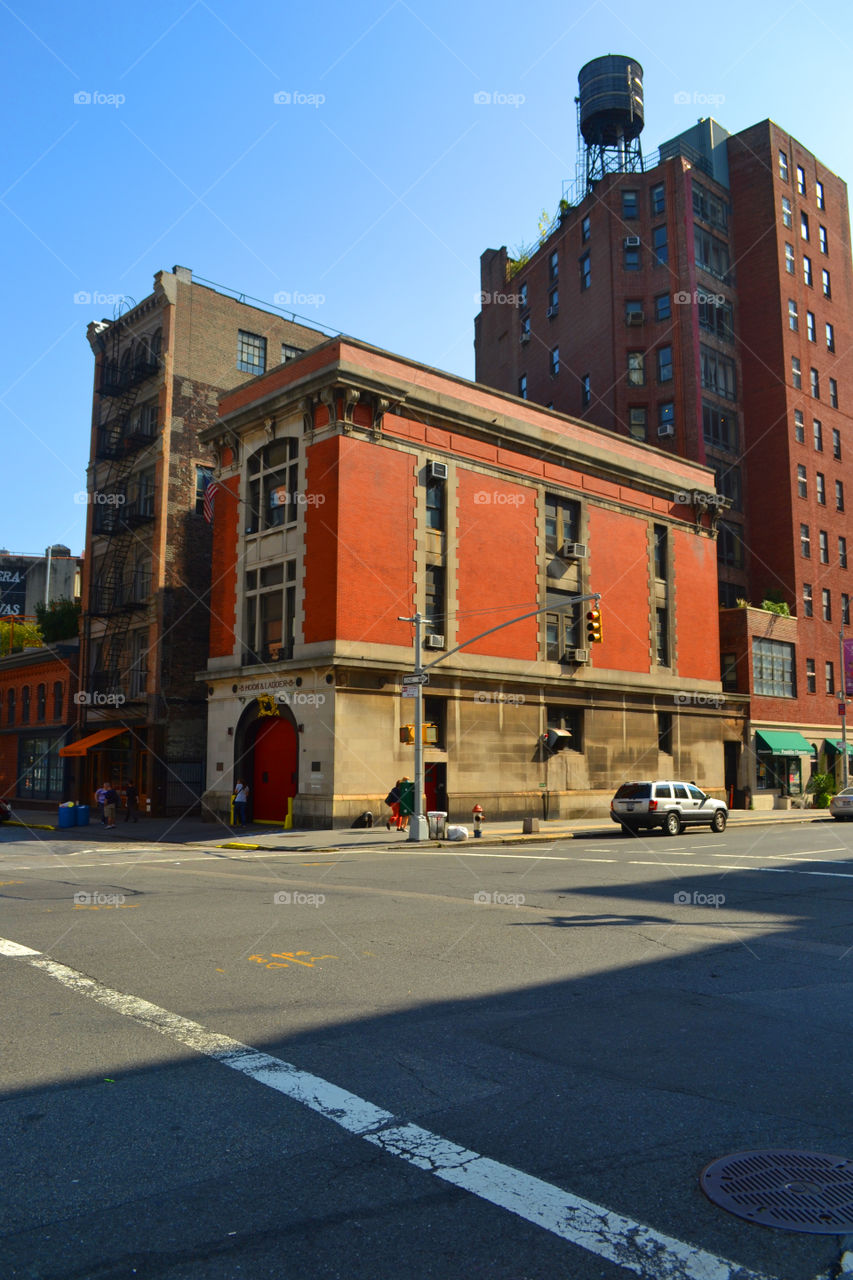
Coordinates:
[110,803]
[402,818]
[131,800]
[241,799]
[100,799]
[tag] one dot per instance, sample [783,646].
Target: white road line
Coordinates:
[638,1248]
[710,866]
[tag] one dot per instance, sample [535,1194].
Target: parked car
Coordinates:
[666,804]
[841,806]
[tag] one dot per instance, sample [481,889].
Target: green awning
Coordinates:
[837,744]
[789,743]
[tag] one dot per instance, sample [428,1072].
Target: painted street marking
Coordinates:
[290,957]
[8,948]
[593,1227]
[782,871]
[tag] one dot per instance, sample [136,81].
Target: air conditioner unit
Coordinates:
[666,430]
[577,655]
[437,470]
[551,312]
[635,317]
[525,336]
[434,641]
[574,551]
[632,242]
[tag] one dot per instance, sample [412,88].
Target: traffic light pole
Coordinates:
[845,763]
[418,825]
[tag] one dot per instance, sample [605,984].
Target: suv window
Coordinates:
[634,791]
[663,791]
[696,793]
[680,791]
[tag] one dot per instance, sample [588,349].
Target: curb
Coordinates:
[31,826]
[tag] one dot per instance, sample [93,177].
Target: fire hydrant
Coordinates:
[479,819]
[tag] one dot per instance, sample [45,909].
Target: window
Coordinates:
[522,296]
[811,676]
[830,337]
[829,677]
[729,484]
[665,732]
[638,423]
[570,720]
[289,353]
[554,361]
[789,259]
[833,393]
[251,352]
[522,386]
[787,220]
[823,540]
[10,708]
[730,544]
[203,477]
[728,671]
[631,256]
[836,444]
[811,330]
[773,668]
[139,664]
[718,373]
[434,598]
[661,551]
[783,165]
[826,283]
[586,392]
[801,180]
[799,427]
[839,495]
[657,197]
[821,204]
[814,384]
[666,418]
[663,309]
[665,364]
[273,486]
[636,369]
[660,245]
[817,426]
[842,552]
[562,627]
[808,603]
[802,484]
[845,608]
[633,311]
[585,272]
[793,315]
[804,226]
[562,522]
[58,696]
[270,613]
[629,204]
[826,604]
[712,255]
[553,266]
[436,503]
[820,487]
[796,373]
[525,327]
[807,270]
[553,303]
[41,702]
[709,207]
[805,542]
[715,315]
[585,229]
[25,704]
[719,428]
[662,636]
[823,239]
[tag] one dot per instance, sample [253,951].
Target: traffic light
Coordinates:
[593,626]
[407,733]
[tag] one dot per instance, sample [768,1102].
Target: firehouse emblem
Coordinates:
[267,705]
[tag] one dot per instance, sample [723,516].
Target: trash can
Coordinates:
[81,815]
[436,819]
[66,815]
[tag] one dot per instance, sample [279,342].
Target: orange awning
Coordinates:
[82,745]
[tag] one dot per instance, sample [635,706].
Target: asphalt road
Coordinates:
[487,1049]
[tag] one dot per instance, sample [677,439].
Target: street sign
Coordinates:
[409,691]
[842,708]
[421,679]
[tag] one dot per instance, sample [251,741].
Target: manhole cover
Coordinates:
[795,1190]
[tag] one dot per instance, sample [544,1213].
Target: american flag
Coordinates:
[209,499]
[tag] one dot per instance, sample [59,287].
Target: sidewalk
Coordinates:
[194,832]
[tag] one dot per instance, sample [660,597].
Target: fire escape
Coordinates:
[123,505]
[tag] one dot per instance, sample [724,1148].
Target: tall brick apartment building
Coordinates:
[160,369]
[358,486]
[702,301]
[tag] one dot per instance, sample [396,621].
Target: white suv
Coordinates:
[666,804]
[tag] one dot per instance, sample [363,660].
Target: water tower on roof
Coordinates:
[610,116]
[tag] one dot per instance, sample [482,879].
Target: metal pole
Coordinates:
[845,765]
[47,577]
[418,824]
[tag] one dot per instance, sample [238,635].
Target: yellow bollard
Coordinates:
[288,821]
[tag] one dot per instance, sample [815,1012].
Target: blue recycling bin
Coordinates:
[66,815]
[81,815]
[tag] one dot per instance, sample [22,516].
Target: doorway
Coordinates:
[275,768]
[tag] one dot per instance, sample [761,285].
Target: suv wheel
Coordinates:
[672,824]
[718,822]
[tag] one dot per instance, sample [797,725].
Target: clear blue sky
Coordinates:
[374,190]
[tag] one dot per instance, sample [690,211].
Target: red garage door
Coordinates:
[275,776]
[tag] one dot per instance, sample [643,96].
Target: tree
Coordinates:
[59,620]
[16,635]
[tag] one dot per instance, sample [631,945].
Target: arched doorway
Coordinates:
[274,744]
